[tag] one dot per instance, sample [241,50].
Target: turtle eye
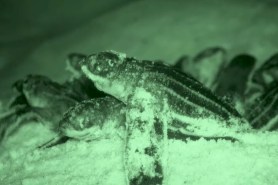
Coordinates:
[108,58]
[104,62]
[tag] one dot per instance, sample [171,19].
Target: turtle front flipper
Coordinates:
[142,158]
[146,143]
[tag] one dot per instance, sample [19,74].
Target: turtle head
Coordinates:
[107,71]
[91,119]
[105,65]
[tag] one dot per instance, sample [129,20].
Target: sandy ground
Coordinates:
[251,161]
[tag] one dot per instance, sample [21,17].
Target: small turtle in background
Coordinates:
[226,79]
[39,99]
[252,91]
[205,66]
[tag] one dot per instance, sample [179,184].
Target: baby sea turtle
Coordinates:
[39,99]
[212,68]
[205,66]
[92,119]
[82,83]
[158,98]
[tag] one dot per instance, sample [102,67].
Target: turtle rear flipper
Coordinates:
[233,79]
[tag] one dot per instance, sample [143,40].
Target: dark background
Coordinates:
[36,36]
